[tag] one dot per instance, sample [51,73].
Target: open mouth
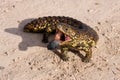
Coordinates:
[61,36]
[64,37]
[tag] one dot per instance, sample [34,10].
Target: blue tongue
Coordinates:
[53,45]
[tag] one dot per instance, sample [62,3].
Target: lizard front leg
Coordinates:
[47,32]
[45,37]
[88,55]
[64,51]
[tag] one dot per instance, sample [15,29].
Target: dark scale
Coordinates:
[47,25]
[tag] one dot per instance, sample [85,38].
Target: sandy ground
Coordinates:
[24,57]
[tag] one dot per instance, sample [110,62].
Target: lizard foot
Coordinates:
[86,60]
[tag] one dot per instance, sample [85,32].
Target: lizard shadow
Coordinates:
[28,39]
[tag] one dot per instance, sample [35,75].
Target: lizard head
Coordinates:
[66,29]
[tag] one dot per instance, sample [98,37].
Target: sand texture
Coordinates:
[24,57]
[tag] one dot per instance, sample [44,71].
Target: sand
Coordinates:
[24,57]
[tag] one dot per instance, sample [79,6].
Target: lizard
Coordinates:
[80,40]
[47,25]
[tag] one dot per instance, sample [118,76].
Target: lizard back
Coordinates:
[49,23]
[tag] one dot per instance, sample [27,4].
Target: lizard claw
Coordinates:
[86,60]
[65,58]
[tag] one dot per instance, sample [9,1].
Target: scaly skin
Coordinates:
[82,39]
[48,24]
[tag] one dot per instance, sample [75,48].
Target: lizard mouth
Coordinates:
[64,37]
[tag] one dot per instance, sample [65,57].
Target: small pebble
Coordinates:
[99,69]
[4,11]
[13,60]
[38,68]
[18,21]
[88,10]
[31,68]
[13,6]
[106,21]
[96,3]
[6,53]
[99,23]
[103,34]
[62,75]
[29,63]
